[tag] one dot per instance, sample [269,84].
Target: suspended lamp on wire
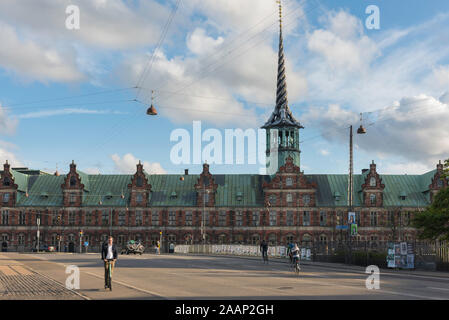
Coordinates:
[151,111]
[361,129]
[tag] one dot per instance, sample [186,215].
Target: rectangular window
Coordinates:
[139,218]
[357,217]
[323,218]
[72,198]
[21,239]
[5,197]
[88,218]
[172,218]
[306,200]
[121,218]
[188,218]
[105,218]
[273,218]
[256,219]
[206,198]
[22,220]
[222,218]
[238,218]
[373,219]
[306,218]
[5,217]
[289,219]
[72,218]
[155,218]
[139,198]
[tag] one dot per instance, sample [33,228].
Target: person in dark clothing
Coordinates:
[264,250]
[109,256]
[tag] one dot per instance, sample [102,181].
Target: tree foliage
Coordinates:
[434,222]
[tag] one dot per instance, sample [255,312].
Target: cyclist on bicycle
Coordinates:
[295,254]
[109,256]
[289,251]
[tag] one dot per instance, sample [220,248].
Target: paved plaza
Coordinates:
[156,277]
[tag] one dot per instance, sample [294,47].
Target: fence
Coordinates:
[428,255]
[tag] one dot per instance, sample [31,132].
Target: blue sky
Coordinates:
[217,64]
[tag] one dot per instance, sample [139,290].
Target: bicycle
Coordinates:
[296,267]
[109,275]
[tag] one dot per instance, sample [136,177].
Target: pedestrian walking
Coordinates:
[109,256]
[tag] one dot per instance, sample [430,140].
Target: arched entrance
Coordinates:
[71,247]
[4,246]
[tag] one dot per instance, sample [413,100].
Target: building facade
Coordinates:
[286,206]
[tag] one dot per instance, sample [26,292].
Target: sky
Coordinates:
[82,94]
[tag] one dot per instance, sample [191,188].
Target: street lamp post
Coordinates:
[360,130]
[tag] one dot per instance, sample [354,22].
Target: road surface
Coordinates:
[204,277]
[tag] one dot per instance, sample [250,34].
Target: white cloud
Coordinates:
[7,124]
[31,60]
[199,43]
[414,128]
[324,152]
[7,154]
[343,44]
[128,163]
[92,170]
[406,168]
[65,111]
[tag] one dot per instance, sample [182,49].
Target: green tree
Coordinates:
[433,223]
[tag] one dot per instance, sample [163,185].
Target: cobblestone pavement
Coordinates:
[19,282]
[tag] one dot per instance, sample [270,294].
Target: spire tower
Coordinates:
[282,119]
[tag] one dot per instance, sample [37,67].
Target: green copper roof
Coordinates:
[234,190]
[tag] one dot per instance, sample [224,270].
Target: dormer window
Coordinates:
[372,182]
[403,195]
[173,195]
[73,181]
[206,181]
[337,196]
[5,197]
[239,196]
[6,182]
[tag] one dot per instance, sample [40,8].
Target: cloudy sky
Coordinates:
[71,94]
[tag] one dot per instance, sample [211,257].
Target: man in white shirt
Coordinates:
[108,254]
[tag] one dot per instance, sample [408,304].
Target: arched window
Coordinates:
[372,182]
[5,197]
[6,181]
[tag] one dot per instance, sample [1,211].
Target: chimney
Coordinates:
[186,172]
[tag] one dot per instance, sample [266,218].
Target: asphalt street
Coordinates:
[210,277]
